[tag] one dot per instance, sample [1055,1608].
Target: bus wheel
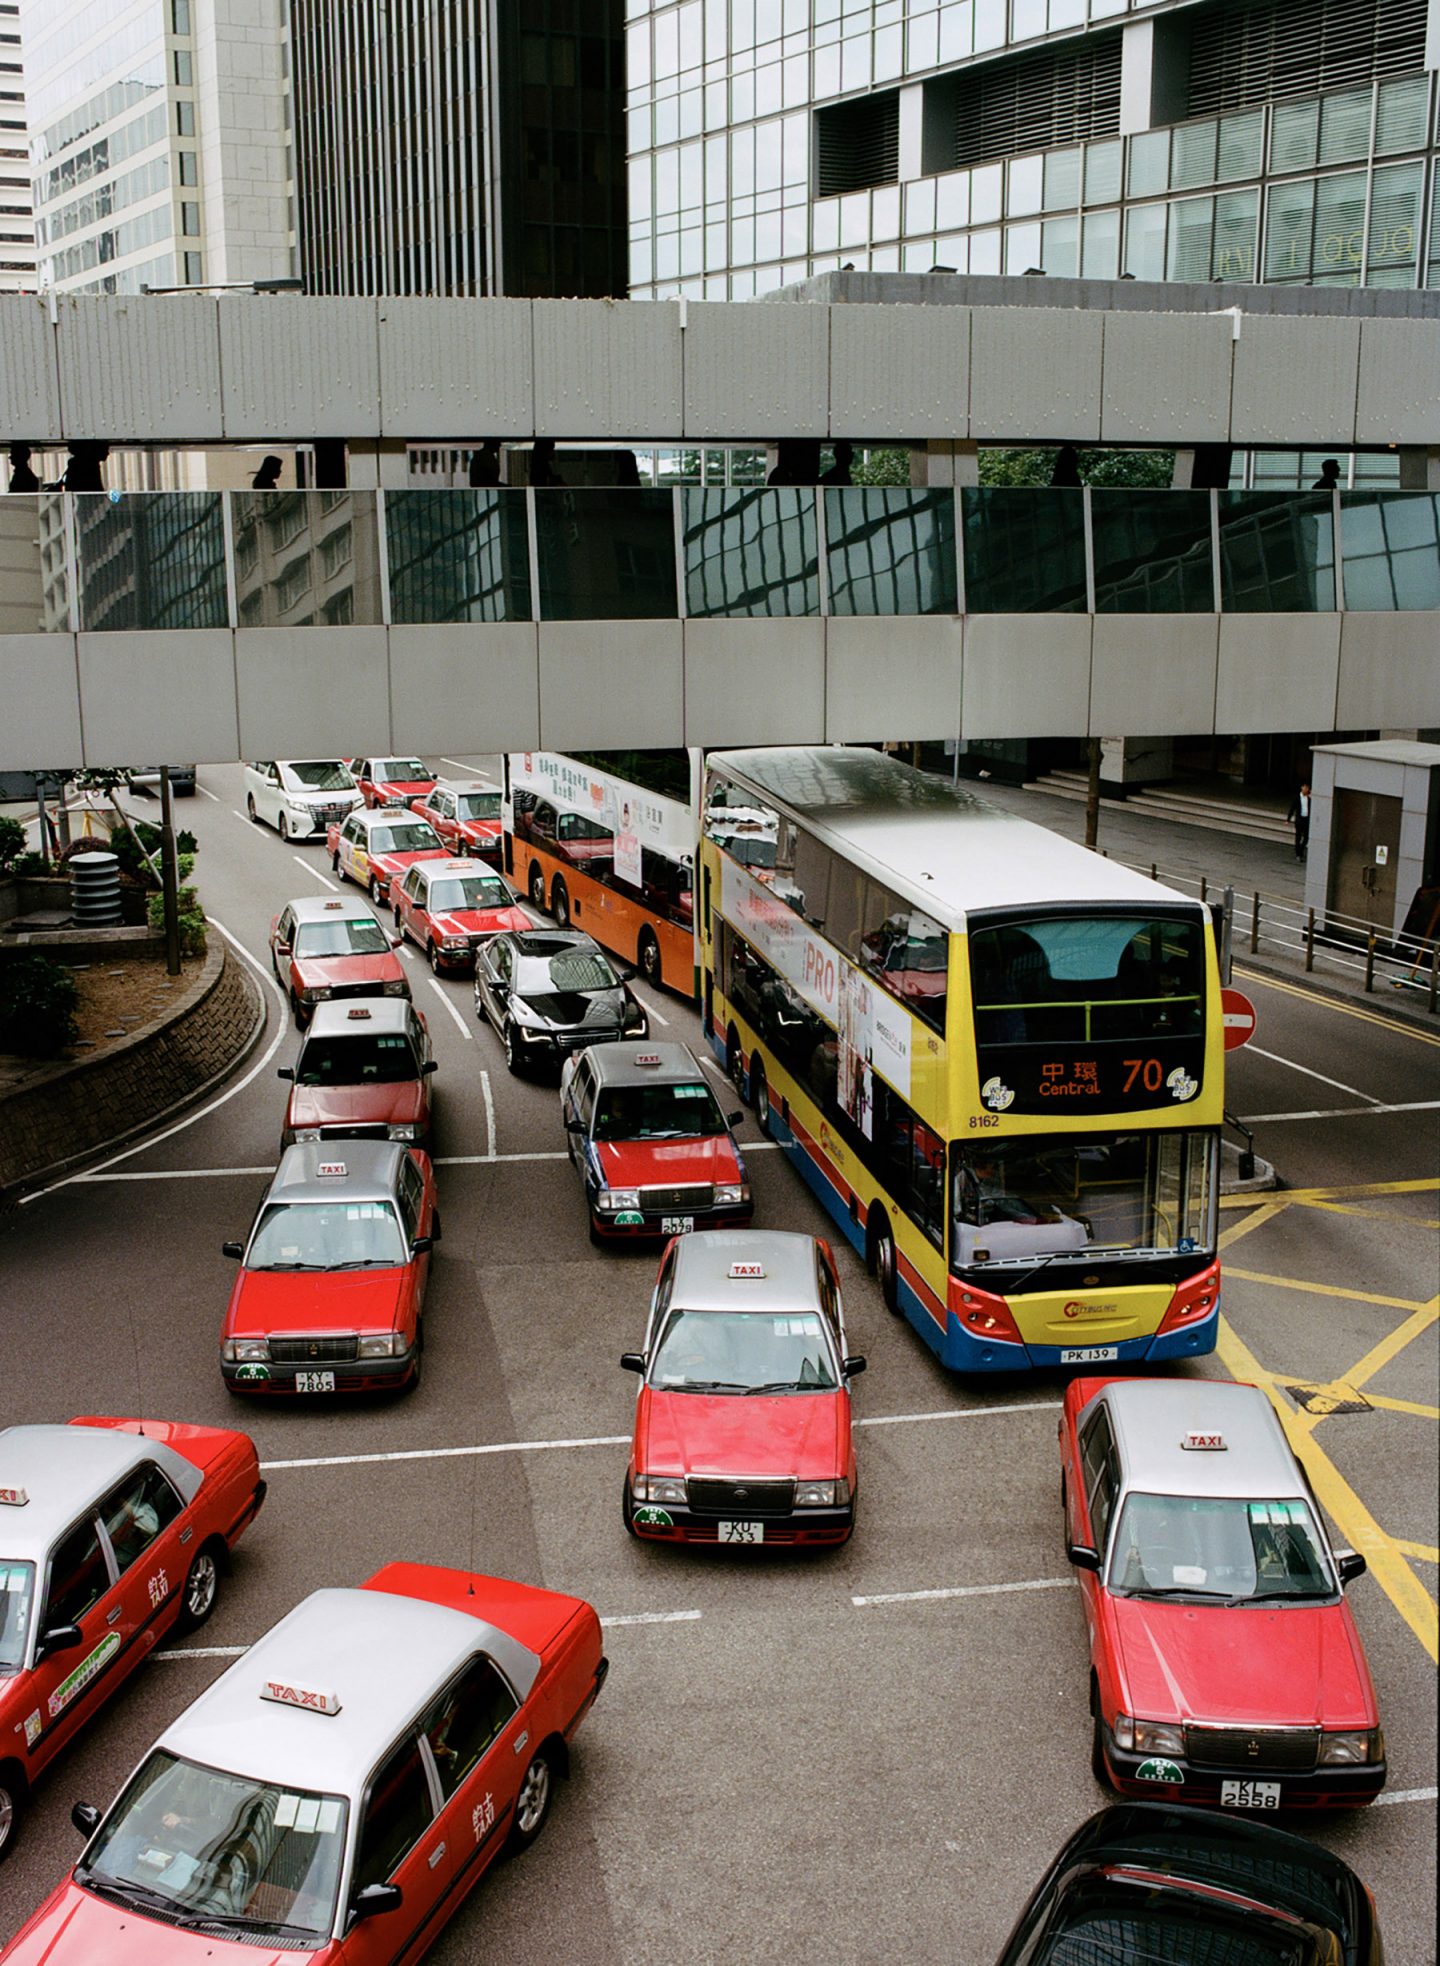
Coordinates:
[735,1061]
[537,885]
[649,957]
[560,904]
[762,1097]
[882,1261]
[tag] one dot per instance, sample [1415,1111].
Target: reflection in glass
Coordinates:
[891,550]
[457,556]
[1277,551]
[1024,551]
[1391,543]
[605,555]
[306,559]
[751,552]
[1152,552]
[33,594]
[150,560]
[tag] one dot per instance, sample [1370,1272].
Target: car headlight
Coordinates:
[611,1199]
[397,987]
[1351,1749]
[409,1132]
[1148,1736]
[317,993]
[388,1344]
[659,1488]
[455,945]
[245,1351]
[731,1196]
[305,1133]
[821,1494]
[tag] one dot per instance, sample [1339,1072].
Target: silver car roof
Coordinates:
[438,870]
[464,785]
[66,1470]
[618,1064]
[315,908]
[372,1171]
[382,1657]
[1151,1418]
[392,815]
[705,1257]
[384,1017]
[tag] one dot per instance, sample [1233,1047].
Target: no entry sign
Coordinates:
[1238,1017]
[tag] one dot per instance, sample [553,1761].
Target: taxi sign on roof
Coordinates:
[1204,1443]
[647,1058]
[747,1269]
[16,1497]
[332,904]
[311,1698]
[359,1011]
[331,1167]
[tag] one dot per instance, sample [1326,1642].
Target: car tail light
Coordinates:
[1194,1299]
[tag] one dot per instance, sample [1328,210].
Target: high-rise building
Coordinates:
[1256,140]
[459,146]
[17,217]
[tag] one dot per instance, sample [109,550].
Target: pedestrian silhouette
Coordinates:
[839,472]
[626,470]
[797,461]
[485,463]
[22,477]
[1299,812]
[268,475]
[542,463]
[1067,467]
[1329,479]
[82,473]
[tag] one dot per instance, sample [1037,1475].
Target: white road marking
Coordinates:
[657,1618]
[1339,1084]
[961,1413]
[183,1652]
[281,1030]
[485,1160]
[715,1066]
[658,1015]
[966,1590]
[448,1453]
[1344,1112]
[178,1174]
[204,1652]
[314,873]
[489,1113]
[1406,1795]
[439,988]
[244,818]
[207,795]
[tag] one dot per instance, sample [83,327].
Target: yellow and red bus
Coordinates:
[995,1057]
[606,842]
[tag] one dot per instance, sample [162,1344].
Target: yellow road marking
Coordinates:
[1380,1355]
[1356,1524]
[1427,1184]
[1329,1003]
[1266,1212]
[1404,1406]
[1423,1550]
[1338,1389]
[1374,1214]
[1331,1290]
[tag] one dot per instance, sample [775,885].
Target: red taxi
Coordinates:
[322,949]
[112,1533]
[363,1073]
[449,907]
[654,1150]
[340,1790]
[372,847]
[1226,1667]
[332,1280]
[743,1430]
[466,816]
[388,781]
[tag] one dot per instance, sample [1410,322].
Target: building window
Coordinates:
[185,118]
[190,219]
[194,276]
[180,16]
[189,167]
[184,69]
[858,144]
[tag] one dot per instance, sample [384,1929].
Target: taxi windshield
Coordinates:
[744,1352]
[468,891]
[479,805]
[577,969]
[203,1846]
[657,1112]
[358,938]
[1206,1546]
[17,1583]
[402,839]
[327,1235]
[317,775]
[366,1059]
[402,771]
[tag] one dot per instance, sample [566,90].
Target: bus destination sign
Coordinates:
[1103,1078]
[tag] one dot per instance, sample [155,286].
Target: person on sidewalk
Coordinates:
[1299,812]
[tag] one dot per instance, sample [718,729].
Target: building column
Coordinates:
[1419,463]
[945,464]
[1154,74]
[382,464]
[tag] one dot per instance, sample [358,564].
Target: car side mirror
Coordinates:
[624,972]
[853,1366]
[428,1067]
[59,1638]
[284,1071]
[734,1119]
[1351,1565]
[235,1249]
[86,1818]
[1084,1556]
[282,948]
[575,1126]
[632,1361]
[501,988]
[421,1245]
[374,1898]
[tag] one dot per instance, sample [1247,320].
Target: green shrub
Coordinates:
[28,863]
[12,843]
[37,1007]
[192,920]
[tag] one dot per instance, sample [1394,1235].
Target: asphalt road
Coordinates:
[776,1769]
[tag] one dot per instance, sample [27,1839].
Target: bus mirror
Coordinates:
[1084,1556]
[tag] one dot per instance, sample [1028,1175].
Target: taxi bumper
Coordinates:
[1319,1788]
[363,1375]
[653,1225]
[801,1528]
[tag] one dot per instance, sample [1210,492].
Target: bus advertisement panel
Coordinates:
[607,843]
[996,1058]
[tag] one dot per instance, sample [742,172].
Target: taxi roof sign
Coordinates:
[647,1058]
[332,1167]
[747,1269]
[16,1498]
[311,1699]
[1204,1443]
[359,1011]
[332,904]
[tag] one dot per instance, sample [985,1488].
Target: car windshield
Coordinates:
[403,771]
[17,1583]
[1105,1918]
[1208,1546]
[469,891]
[576,969]
[364,937]
[317,775]
[371,1058]
[327,1235]
[479,805]
[402,839]
[744,1352]
[663,1111]
[200,1844]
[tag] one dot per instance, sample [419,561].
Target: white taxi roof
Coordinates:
[398,814]
[643,1061]
[384,1017]
[317,908]
[380,1656]
[706,1258]
[437,870]
[65,1470]
[1151,1418]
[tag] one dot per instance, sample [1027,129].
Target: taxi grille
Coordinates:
[313,1351]
[354,990]
[676,1201]
[741,1499]
[1254,1750]
[356,1130]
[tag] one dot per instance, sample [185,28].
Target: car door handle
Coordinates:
[436,1854]
[111,1616]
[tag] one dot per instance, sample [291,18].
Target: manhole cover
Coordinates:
[1325,1400]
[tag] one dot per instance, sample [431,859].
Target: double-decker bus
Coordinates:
[995,1056]
[606,841]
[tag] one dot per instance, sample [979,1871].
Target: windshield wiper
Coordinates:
[706,1386]
[292,1266]
[1288,1597]
[1180,1590]
[131,1893]
[791,1386]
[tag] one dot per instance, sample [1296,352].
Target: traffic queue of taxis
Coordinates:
[315,1798]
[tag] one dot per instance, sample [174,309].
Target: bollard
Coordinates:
[1203,887]
[1255,925]
[1153,875]
[1370,961]
[1434,974]
[1310,939]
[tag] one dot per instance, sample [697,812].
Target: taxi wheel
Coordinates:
[296,1012]
[560,905]
[202,1588]
[432,951]
[882,1261]
[413,1381]
[650,958]
[12,1804]
[532,1804]
[377,893]
[250,808]
[762,1098]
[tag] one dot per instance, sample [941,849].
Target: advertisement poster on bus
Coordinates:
[638,819]
[627,842]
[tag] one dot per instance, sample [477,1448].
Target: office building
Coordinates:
[17,217]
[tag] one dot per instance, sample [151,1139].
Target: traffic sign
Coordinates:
[1237,1014]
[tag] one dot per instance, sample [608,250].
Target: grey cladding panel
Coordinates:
[1167,378]
[1389,672]
[1035,374]
[900,372]
[1153,675]
[1295,380]
[29,383]
[296,366]
[1277,672]
[470,688]
[882,676]
[756,371]
[755,682]
[607,684]
[1026,675]
[113,351]
[1399,398]
[455,368]
[42,706]
[607,369]
[170,696]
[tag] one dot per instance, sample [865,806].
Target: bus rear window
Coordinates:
[1073,979]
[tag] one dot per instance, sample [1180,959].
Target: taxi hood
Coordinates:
[481,921]
[669,1163]
[265,1301]
[379,970]
[1270,1665]
[398,1104]
[781,1434]
[391,863]
[75,1928]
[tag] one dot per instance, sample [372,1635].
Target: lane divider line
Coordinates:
[315,874]
[203,1652]
[1339,1084]
[488,1098]
[208,795]
[1406,1795]
[962,1413]
[651,1618]
[1344,1113]
[439,988]
[964,1590]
